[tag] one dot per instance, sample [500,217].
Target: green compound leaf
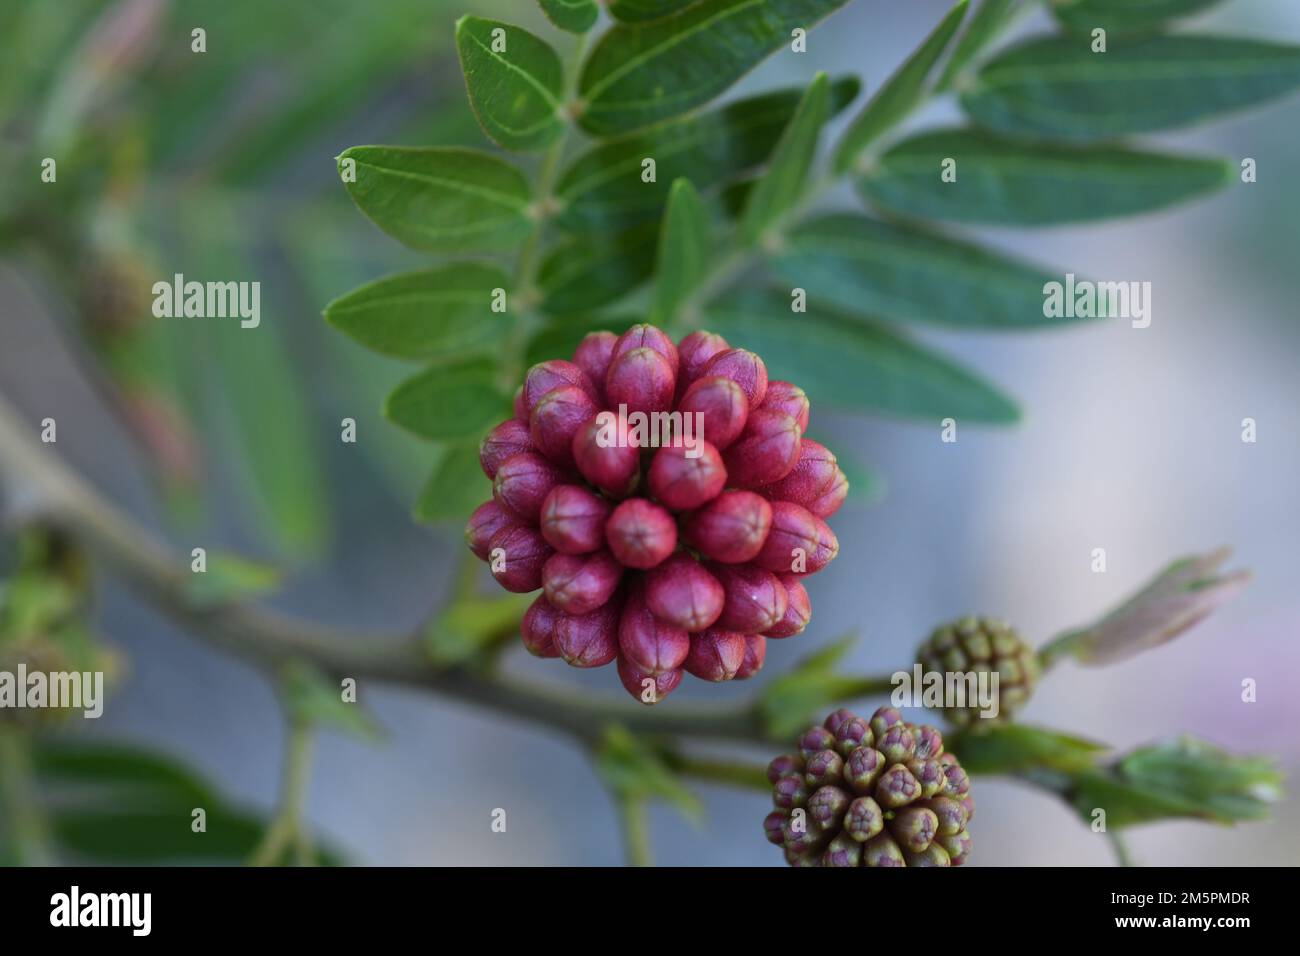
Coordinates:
[450,402]
[440,199]
[1125,16]
[683,251]
[639,11]
[1008,182]
[781,188]
[633,770]
[1015,748]
[576,16]
[641,73]
[899,274]
[605,189]
[793,701]
[444,312]
[1184,778]
[989,20]
[456,487]
[1057,88]
[515,82]
[902,92]
[586,272]
[856,365]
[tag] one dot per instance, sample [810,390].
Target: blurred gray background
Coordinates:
[1131,442]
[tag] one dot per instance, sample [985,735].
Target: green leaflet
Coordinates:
[450,402]
[899,274]
[1027,184]
[856,365]
[586,272]
[781,188]
[632,769]
[515,82]
[798,697]
[901,93]
[229,579]
[576,16]
[314,698]
[1016,748]
[989,20]
[684,250]
[639,74]
[444,312]
[440,199]
[456,487]
[1125,16]
[637,11]
[1056,87]
[604,187]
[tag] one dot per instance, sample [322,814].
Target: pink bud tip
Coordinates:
[522,483]
[755,599]
[589,640]
[578,584]
[487,519]
[606,457]
[716,655]
[649,690]
[538,628]
[593,356]
[556,418]
[798,609]
[766,451]
[643,380]
[506,440]
[516,555]
[722,405]
[695,350]
[755,655]
[810,480]
[682,482]
[793,542]
[651,646]
[544,376]
[683,594]
[573,519]
[731,528]
[644,336]
[745,369]
[641,533]
[789,398]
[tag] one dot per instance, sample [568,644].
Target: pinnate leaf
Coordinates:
[786,179]
[640,73]
[683,251]
[444,312]
[455,488]
[515,81]
[604,188]
[900,274]
[856,365]
[638,11]
[576,16]
[1013,182]
[440,199]
[449,402]
[587,272]
[901,93]
[1057,88]
[1125,16]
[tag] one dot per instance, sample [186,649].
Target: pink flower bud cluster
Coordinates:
[676,548]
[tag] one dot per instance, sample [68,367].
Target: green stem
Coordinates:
[636,830]
[287,829]
[21,808]
[731,773]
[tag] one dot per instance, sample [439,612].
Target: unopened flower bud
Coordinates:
[782,765]
[605,456]
[812,481]
[593,356]
[755,656]
[722,407]
[516,555]
[716,655]
[538,628]
[824,767]
[556,418]
[826,807]
[789,398]
[815,740]
[544,376]
[589,640]
[683,479]
[643,380]
[522,483]
[745,369]
[798,609]
[731,528]
[647,689]
[573,519]
[755,600]
[766,451]
[645,336]
[507,439]
[651,646]
[694,351]
[641,533]
[792,541]
[487,519]
[578,584]
[681,593]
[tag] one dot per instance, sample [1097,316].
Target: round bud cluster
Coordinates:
[663,498]
[878,792]
[982,646]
